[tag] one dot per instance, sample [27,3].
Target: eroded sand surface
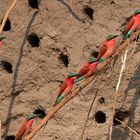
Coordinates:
[38,73]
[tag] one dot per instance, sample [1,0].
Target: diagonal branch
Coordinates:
[100,68]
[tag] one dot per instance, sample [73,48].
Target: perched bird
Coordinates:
[66,87]
[132,25]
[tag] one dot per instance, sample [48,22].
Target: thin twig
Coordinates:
[117,88]
[7,15]
[125,125]
[82,135]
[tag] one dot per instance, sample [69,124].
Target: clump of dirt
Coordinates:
[101,100]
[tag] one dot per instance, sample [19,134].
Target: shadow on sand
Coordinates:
[15,93]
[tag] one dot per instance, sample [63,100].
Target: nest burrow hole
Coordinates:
[34,40]
[7,26]
[100,117]
[94,54]
[64,59]
[40,112]
[7,66]
[88,11]
[33,3]
[10,137]
[120,115]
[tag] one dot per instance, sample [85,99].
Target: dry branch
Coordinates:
[100,67]
[57,107]
[117,88]
[7,15]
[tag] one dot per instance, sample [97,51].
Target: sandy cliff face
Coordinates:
[63,38]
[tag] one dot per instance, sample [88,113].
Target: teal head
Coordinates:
[137,12]
[37,113]
[92,59]
[31,116]
[111,36]
[71,74]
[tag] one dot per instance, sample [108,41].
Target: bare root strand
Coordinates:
[82,135]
